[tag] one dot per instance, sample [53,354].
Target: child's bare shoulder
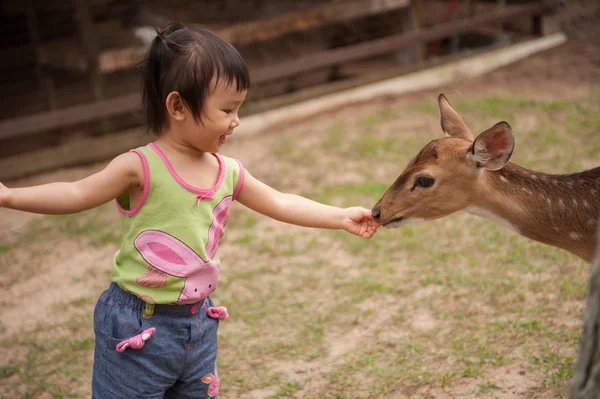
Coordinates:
[131,166]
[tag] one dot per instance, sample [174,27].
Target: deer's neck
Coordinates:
[559,210]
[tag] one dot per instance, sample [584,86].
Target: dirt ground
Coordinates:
[56,267]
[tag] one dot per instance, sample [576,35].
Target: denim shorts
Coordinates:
[177,361]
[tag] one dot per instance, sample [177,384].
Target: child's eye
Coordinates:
[227,111]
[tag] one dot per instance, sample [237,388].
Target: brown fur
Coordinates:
[558,210]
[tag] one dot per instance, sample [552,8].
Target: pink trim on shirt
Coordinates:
[205,192]
[144,193]
[240,182]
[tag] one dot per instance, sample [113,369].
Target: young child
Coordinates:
[156,325]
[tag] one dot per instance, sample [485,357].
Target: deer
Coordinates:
[460,172]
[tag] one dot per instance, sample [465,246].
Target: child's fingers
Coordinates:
[369,227]
[359,213]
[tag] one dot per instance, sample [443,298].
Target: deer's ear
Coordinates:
[452,123]
[492,149]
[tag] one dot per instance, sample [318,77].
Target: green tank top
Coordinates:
[170,239]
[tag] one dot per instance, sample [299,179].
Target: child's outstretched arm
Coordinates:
[121,174]
[301,211]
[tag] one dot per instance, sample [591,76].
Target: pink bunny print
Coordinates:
[220,219]
[153,279]
[169,255]
[213,380]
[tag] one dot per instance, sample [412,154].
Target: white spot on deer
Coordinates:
[570,184]
[575,202]
[574,236]
[503,179]
[556,228]
[533,176]
[586,204]
[548,201]
[484,213]
[593,192]
[561,203]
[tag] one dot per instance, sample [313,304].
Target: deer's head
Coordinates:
[444,176]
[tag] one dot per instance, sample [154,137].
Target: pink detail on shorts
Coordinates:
[220,219]
[207,192]
[144,197]
[201,277]
[218,312]
[153,279]
[136,342]
[213,380]
[240,182]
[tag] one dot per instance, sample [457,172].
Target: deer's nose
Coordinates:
[376,213]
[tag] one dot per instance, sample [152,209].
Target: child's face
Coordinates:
[218,118]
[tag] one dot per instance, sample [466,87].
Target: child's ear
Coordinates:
[175,106]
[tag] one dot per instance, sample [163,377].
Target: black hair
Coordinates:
[185,60]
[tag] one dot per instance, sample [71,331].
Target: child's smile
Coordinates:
[223,139]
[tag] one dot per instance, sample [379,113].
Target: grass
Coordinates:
[452,305]
[52,364]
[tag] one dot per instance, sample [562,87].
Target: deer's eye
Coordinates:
[424,181]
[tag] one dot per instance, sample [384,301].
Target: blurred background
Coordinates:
[459,307]
[67,68]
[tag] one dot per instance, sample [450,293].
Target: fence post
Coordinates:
[586,378]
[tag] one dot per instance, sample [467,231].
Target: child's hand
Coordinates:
[6,195]
[359,221]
